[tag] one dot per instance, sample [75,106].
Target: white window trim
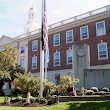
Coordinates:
[54,59]
[37,45]
[72,36]
[81,33]
[98,51]
[104,28]
[67,56]
[24,49]
[54,40]
[36,62]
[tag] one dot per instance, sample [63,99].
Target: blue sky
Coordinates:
[14,13]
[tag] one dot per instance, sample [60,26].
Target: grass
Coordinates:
[72,105]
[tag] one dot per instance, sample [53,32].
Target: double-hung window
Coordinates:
[57,59]
[84,32]
[34,45]
[34,62]
[57,78]
[69,56]
[69,36]
[22,49]
[102,51]
[22,63]
[56,39]
[100,28]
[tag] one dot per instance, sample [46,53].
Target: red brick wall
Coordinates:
[92,42]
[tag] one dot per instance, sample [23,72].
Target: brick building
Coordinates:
[91,28]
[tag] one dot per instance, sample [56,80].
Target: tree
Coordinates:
[7,61]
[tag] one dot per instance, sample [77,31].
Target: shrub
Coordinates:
[19,98]
[101,93]
[2,93]
[43,100]
[27,83]
[95,89]
[23,99]
[48,88]
[32,99]
[105,89]
[37,99]
[89,92]
[15,92]
[66,83]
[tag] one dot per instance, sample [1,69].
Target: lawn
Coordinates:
[72,105]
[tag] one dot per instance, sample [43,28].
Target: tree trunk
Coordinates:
[1,84]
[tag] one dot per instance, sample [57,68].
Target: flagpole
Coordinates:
[42,53]
[46,65]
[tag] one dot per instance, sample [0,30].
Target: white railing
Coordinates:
[90,13]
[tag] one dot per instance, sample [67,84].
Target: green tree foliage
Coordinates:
[27,83]
[7,60]
[66,83]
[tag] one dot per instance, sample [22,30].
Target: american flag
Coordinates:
[45,33]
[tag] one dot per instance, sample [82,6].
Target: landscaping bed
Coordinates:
[15,103]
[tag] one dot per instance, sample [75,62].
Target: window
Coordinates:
[57,78]
[100,28]
[84,32]
[44,62]
[34,45]
[22,63]
[27,30]
[22,49]
[34,62]
[69,56]
[56,39]
[69,36]
[57,59]
[102,51]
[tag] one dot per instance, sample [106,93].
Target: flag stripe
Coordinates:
[46,33]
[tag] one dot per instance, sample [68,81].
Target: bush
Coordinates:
[19,98]
[32,99]
[95,89]
[43,100]
[15,92]
[37,99]
[89,92]
[23,99]
[2,93]
[101,93]
[105,89]
[66,83]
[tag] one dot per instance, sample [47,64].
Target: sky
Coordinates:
[14,13]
